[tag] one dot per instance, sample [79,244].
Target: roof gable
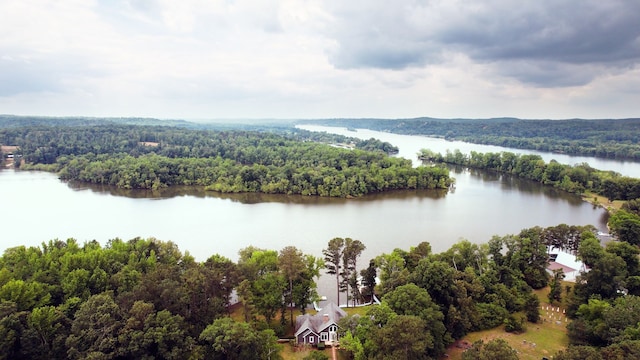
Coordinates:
[329,315]
[303,323]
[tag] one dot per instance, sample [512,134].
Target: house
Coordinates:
[321,327]
[568,263]
[7,155]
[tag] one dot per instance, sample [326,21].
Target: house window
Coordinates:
[333,333]
[311,339]
[324,336]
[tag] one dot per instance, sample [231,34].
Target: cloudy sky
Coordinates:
[212,59]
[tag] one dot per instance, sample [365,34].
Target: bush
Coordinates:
[491,315]
[514,324]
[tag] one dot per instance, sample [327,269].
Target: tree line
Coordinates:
[143,298]
[576,179]
[604,303]
[606,138]
[429,300]
[152,157]
[624,224]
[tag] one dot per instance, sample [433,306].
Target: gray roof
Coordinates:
[303,322]
[317,323]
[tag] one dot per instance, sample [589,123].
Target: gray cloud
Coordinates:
[568,32]
[545,73]
[33,73]
[19,76]
[321,58]
[547,43]
[376,35]
[385,54]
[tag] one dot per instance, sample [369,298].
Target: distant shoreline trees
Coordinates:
[604,138]
[575,179]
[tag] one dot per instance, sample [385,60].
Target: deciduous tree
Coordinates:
[226,339]
[94,331]
[494,349]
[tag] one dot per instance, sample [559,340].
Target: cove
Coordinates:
[38,207]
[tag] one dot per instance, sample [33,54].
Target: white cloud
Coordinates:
[314,58]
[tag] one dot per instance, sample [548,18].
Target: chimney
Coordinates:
[325,318]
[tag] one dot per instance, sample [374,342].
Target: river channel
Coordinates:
[37,207]
[409,146]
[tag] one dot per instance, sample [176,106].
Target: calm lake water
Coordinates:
[37,207]
[411,145]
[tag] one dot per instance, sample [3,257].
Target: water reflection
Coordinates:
[510,182]
[250,198]
[481,205]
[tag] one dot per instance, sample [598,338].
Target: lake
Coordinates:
[37,207]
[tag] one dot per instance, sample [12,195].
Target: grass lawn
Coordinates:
[362,310]
[540,340]
[292,353]
[599,200]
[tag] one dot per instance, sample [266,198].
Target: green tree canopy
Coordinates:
[229,340]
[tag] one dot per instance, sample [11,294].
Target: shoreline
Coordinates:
[601,201]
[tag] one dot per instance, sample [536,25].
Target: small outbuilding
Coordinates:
[568,263]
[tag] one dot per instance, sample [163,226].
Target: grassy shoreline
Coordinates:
[602,201]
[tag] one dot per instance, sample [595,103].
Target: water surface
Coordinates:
[37,207]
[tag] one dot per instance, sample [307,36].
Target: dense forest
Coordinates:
[152,157]
[143,298]
[616,139]
[430,299]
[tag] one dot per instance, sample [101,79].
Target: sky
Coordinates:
[305,59]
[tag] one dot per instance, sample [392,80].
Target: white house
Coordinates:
[568,263]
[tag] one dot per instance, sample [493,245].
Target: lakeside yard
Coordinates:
[542,339]
[602,201]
